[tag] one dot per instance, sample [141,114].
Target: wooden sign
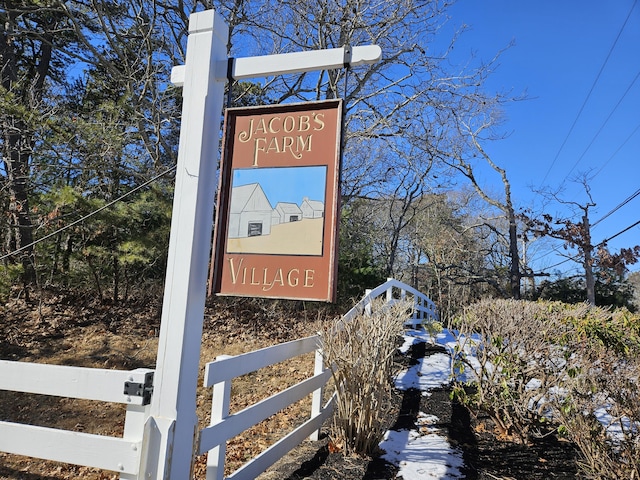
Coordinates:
[278,204]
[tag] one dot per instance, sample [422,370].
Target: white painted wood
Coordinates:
[71,382]
[173,405]
[230,367]
[108,453]
[237,423]
[316,399]
[134,431]
[219,411]
[298,62]
[259,464]
[286,63]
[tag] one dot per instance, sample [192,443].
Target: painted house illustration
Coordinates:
[250,212]
[286,212]
[312,208]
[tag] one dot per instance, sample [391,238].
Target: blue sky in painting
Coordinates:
[285,184]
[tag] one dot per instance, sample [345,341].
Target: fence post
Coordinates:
[134,430]
[219,410]
[367,301]
[316,401]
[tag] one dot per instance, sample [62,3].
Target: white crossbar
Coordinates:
[108,453]
[245,419]
[287,63]
[72,382]
[231,367]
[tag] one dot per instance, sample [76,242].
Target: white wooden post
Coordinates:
[135,419]
[389,296]
[219,410]
[316,399]
[173,406]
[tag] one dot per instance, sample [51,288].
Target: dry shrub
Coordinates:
[540,367]
[361,352]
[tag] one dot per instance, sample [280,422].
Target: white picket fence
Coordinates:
[128,454]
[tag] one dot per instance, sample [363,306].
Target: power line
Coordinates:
[616,152]
[619,206]
[618,234]
[589,93]
[604,123]
[572,259]
[95,212]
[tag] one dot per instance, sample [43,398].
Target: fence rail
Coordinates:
[119,454]
[219,375]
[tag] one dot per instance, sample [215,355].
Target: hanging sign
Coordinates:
[277,216]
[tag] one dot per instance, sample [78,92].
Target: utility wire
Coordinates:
[619,233]
[619,206]
[604,124]
[80,220]
[590,92]
[572,259]
[616,152]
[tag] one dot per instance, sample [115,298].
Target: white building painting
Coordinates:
[250,212]
[312,208]
[287,212]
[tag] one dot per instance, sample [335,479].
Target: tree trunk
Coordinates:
[16,155]
[588,261]
[514,274]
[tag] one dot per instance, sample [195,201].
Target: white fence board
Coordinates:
[108,453]
[237,423]
[259,464]
[231,367]
[71,382]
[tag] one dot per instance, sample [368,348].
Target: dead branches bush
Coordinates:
[361,352]
[540,367]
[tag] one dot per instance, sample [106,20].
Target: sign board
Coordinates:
[278,203]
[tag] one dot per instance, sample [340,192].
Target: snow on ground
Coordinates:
[424,453]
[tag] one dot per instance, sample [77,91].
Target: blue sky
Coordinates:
[284,184]
[559,48]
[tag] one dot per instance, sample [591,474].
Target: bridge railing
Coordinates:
[423,310]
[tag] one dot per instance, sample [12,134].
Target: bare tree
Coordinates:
[578,235]
[471,141]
